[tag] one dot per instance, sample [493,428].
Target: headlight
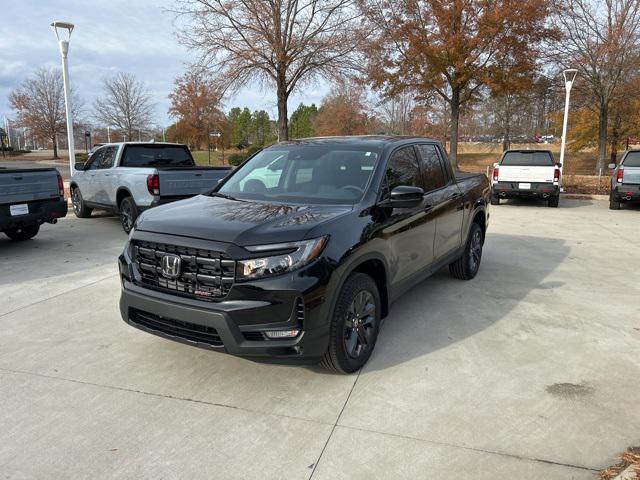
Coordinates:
[298,254]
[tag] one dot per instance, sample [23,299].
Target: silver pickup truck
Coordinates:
[625,181]
[29,198]
[129,177]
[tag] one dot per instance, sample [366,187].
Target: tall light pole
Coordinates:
[569,77]
[63,42]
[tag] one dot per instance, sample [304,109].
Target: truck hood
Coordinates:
[239,222]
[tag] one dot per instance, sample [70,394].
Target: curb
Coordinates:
[583,196]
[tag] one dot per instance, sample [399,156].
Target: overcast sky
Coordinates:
[135,36]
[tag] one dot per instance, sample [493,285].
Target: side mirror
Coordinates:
[612,166]
[558,164]
[404,196]
[79,166]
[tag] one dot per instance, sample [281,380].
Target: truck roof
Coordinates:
[144,143]
[375,140]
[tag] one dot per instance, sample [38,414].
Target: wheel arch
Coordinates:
[375,267]
[121,194]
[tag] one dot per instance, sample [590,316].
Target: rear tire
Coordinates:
[553,201]
[467,266]
[495,200]
[355,325]
[613,205]
[22,233]
[128,213]
[79,207]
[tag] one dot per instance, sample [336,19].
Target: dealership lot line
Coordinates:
[525,372]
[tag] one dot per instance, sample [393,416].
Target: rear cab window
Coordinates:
[632,159]
[528,159]
[153,156]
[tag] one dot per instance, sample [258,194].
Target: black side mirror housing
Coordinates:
[559,165]
[79,166]
[404,196]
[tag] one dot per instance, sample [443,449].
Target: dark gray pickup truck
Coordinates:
[625,182]
[29,198]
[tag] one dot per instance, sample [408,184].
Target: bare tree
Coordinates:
[280,43]
[601,39]
[39,102]
[126,104]
[396,113]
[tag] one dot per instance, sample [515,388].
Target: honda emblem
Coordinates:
[171,266]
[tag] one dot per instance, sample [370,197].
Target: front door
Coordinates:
[103,177]
[87,183]
[409,231]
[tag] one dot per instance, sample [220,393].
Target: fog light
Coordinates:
[274,334]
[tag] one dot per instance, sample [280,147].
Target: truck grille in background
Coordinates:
[176,328]
[204,274]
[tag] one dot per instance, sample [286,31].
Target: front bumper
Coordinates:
[234,325]
[626,192]
[514,190]
[41,211]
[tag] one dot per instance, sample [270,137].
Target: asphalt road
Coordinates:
[530,371]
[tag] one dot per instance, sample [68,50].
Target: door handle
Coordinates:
[428,208]
[455,195]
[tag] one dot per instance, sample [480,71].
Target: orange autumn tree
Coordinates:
[195,103]
[342,112]
[449,47]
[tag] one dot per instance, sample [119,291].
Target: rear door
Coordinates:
[409,231]
[527,167]
[446,199]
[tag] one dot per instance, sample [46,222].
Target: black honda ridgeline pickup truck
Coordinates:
[299,253]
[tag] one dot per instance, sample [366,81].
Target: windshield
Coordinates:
[632,159]
[143,156]
[314,174]
[535,159]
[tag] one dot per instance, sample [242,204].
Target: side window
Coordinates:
[95,159]
[403,169]
[432,173]
[108,156]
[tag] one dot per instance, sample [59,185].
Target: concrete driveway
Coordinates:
[530,371]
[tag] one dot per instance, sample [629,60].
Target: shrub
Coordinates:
[253,150]
[236,159]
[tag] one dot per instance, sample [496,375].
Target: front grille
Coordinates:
[177,328]
[204,274]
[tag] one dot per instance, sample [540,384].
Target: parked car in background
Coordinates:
[130,177]
[625,182]
[526,174]
[29,198]
[301,259]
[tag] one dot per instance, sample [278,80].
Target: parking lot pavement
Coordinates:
[529,371]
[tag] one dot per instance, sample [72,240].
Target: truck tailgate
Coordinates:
[184,182]
[28,185]
[535,174]
[631,175]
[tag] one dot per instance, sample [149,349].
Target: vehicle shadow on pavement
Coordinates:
[442,311]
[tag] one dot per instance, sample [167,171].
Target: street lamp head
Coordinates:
[569,75]
[59,27]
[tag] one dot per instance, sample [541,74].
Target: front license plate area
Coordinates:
[20,209]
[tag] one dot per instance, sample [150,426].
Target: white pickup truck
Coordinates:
[129,177]
[526,174]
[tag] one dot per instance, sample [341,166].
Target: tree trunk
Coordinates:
[506,139]
[283,122]
[55,147]
[455,123]
[615,138]
[602,133]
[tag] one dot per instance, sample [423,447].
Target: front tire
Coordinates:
[79,207]
[128,213]
[467,266]
[22,233]
[354,326]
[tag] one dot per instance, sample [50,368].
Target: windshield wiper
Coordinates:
[224,195]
